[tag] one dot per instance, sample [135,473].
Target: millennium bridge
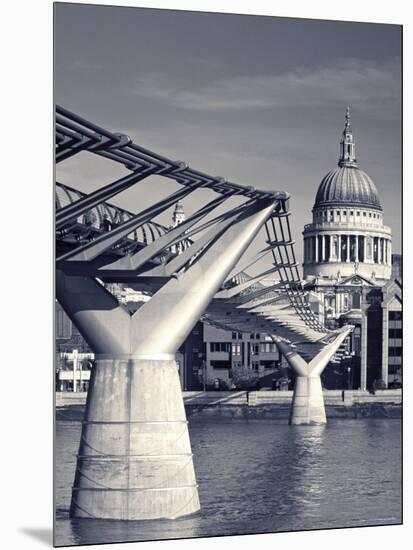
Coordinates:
[135,459]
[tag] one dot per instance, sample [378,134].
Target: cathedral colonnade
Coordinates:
[347,247]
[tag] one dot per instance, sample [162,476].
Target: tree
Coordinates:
[244,378]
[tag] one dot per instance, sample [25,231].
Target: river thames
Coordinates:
[261,476]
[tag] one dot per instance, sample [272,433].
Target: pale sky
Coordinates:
[258,100]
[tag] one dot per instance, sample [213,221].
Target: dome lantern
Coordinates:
[347,145]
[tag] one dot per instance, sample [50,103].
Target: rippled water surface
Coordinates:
[261,476]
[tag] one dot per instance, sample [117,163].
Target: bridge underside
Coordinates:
[135,458]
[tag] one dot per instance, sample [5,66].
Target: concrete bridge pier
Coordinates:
[308,402]
[135,460]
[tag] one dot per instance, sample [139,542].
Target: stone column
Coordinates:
[323,248]
[348,248]
[379,251]
[382,250]
[316,250]
[357,248]
[339,247]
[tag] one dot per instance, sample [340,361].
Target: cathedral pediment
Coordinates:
[356,280]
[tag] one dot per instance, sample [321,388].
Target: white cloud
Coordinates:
[372,86]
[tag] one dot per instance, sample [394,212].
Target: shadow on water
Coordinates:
[92,531]
[43,535]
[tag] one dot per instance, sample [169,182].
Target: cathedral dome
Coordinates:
[347,234]
[347,186]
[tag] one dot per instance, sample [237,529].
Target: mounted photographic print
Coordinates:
[228,314]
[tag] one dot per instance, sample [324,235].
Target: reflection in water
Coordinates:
[310,455]
[262,476]
[293,466]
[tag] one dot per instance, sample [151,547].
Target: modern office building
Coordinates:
[239,359]
[382,330]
